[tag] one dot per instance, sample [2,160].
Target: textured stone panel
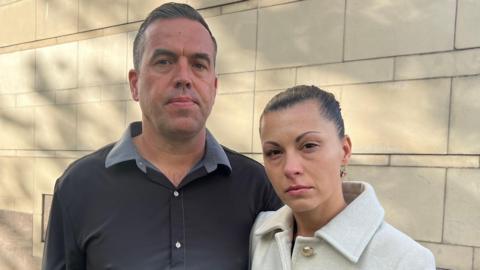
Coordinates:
[384,28]
[55,127]
[19,16]
[231,121]
[134,113]
[464,127]
[438,65]
[261,99]
[95,14]
[56,18]
[398,117]
[18,72]
[315,37]
[275,79]
[138,10]
[435,161]
[36,98]
[451,257]
[17,127]
[7,101]
[476,260]
[468,19]
[16,180]
[116,92]
[47,171]
[265,3]
[7,203]
[103,60]
[412,197]
[37,249]
[240,6]
[130,39]
[372,160]
[237,82]
[80,95]
[99,124]
[462,207]
[57,67]
[236,38]
[347,73]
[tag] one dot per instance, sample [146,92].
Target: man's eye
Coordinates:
[199,66]
[163,62]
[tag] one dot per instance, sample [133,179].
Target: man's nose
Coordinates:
[183,74]
[293,166]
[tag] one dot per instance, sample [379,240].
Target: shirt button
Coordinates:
[307,251]
[178,245]
[176,194]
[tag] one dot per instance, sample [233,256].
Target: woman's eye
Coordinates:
[309,146]
[272,153]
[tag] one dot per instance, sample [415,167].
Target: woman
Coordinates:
[326,224]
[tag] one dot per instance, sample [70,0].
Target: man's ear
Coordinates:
[133,81]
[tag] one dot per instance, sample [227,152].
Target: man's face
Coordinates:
[176,82]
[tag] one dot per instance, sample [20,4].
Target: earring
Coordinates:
[343,171]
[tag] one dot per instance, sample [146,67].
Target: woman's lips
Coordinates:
[297,189]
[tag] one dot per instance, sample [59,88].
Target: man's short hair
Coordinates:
[166,11]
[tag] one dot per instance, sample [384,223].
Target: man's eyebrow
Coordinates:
[202,56]
[163,52]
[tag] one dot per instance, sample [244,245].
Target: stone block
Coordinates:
[450,64]
[201,4]
[56,18]
[210,12]
[266,3]
[7,203]
[36,98]
[55,127]
[116,92]
[231,121]
[464,128]
[17,127]
[71,154]
[103,60]
[81,36]
[99,124]
[236,35]
[47,171]
[371,160]
[57,67]
[462,207]
[386,28]
[37,236]
[138,10]
[413,198]
[347,73]
[316,37]
[79,95]
[450,256]
[99,14]
[236,82]
[134,113]
[476,259]
[16,180]
[7,101]
[240,6]
[397,117]
[277,79]
[35,153]
[19,16]
[18,72]
[130,39]
[435,161]
[468,18]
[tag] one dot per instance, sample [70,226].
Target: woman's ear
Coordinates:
[347,149]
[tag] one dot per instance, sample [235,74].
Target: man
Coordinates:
[166,195]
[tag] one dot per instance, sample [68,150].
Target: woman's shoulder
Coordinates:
[402,250]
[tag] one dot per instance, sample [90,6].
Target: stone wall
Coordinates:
[407,74]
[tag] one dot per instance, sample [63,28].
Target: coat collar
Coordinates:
[350,231]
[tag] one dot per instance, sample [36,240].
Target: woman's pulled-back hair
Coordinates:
[327,104]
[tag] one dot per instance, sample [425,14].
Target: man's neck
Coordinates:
[174,157]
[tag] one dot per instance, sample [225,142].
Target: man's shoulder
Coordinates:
[238,159]
[86,166]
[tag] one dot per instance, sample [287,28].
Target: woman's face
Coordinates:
[303,155]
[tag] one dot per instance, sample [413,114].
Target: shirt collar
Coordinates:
[364,212]
[125,150]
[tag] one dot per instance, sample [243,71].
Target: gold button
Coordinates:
[307,251]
